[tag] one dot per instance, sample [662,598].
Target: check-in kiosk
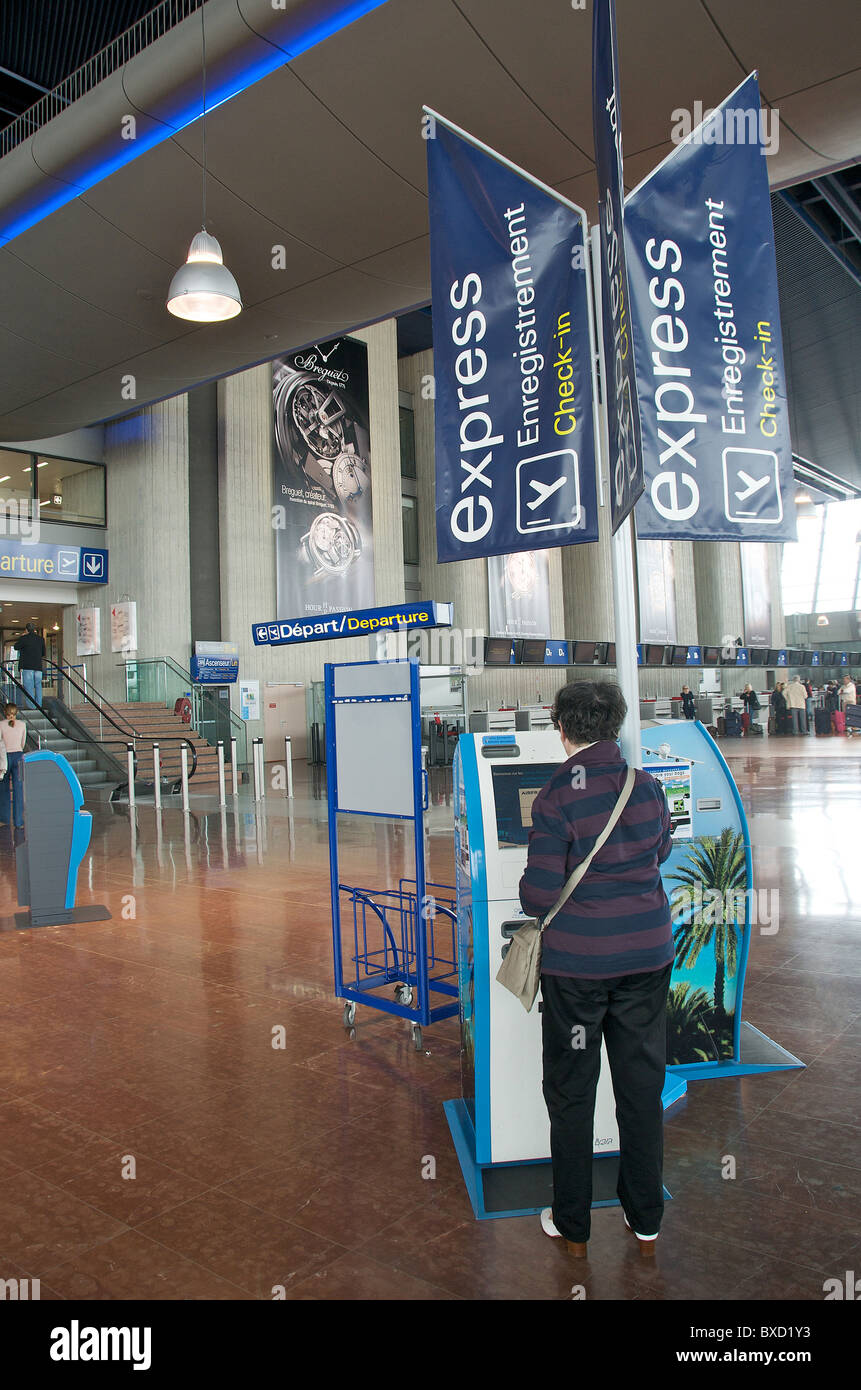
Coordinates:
[56,837]
[500,1125]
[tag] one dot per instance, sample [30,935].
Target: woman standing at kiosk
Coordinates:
[606,963]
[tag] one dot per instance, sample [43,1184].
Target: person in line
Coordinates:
[750,700]
[796,697]
[31,654]
[778,708]
[847,692]
[606,963]
[13,733]
[689,709]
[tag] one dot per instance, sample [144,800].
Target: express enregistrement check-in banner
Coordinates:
[625,462]
[324,542]
[515,451]
[704,307]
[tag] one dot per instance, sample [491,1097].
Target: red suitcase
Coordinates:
[838,721]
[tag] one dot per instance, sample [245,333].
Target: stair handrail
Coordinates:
[236,724]
[29,703]
[73,681]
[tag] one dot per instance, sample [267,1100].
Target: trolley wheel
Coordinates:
[416,1035]
[349,1013]
[404,994]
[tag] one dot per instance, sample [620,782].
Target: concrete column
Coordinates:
[717,572]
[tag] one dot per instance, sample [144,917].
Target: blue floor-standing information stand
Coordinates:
[400,934]
[499,1124]
[56,837]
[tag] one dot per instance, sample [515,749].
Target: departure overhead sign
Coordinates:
[72,564]
[361,622]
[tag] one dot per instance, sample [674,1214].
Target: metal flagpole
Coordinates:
[624,605]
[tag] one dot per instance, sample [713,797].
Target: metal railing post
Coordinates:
[233,770]
[156,767]
[184,759]
[130,759]
[288,760]
[222,794]
[257,757]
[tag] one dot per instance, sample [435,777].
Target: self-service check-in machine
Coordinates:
[500,1125]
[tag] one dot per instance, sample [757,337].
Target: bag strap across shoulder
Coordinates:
[602,839]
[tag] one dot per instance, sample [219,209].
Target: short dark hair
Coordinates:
[589,711]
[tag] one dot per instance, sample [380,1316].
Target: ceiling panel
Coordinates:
[794,43]
[275,143]
[430,54]
[292,162]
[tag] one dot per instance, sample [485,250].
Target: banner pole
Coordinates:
[624,605]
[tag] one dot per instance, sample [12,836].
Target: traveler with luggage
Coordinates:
[795,696]
[751,708]
[846,694]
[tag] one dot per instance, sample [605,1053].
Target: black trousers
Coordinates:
[630,1013]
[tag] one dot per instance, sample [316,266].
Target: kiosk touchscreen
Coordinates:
[496,779]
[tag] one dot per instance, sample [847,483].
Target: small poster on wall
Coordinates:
[249,699]
[124,627]
[88,631]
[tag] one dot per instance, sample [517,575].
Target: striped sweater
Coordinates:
[617,921]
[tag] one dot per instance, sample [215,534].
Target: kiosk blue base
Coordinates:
[525,1189]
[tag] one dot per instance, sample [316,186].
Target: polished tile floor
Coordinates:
[154,1144]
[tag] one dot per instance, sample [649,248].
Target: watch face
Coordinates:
[318,415]
[522,572]
[349,477]
[333,543]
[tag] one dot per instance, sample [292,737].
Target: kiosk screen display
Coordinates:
[711,656]
[680,656]
[655,656]
[514,790]
[584,653]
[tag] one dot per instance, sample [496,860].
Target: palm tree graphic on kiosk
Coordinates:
[712,884]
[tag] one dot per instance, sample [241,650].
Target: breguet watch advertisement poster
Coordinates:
[324,544]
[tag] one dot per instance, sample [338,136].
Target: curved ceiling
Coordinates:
[324,158]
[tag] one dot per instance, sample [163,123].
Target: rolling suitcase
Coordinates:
[732,721]
[721,726]
[745,722]
[838,721]
[853,718]
[822,721]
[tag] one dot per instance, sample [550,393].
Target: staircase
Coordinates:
[89,774]
[158,725]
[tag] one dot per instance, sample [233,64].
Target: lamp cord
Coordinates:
[203,34]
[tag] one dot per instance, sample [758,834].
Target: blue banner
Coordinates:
[359,622]
[707,337]
[515,450]
[623,422]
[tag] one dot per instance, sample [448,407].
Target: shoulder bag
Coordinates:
[520,971]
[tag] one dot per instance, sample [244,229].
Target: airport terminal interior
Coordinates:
[261,837]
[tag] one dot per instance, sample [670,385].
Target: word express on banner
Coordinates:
[623,422]
[515,435]
[718,457]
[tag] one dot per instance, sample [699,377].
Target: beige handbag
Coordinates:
[520,971]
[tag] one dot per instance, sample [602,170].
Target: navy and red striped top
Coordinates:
[617,921]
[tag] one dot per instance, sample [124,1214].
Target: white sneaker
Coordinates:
[547,1225]
[637,1233]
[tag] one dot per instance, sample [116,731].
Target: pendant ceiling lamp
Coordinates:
[203,289]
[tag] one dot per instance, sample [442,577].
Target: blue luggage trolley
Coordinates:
[401,934]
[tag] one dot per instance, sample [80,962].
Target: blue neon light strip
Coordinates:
[306,39]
